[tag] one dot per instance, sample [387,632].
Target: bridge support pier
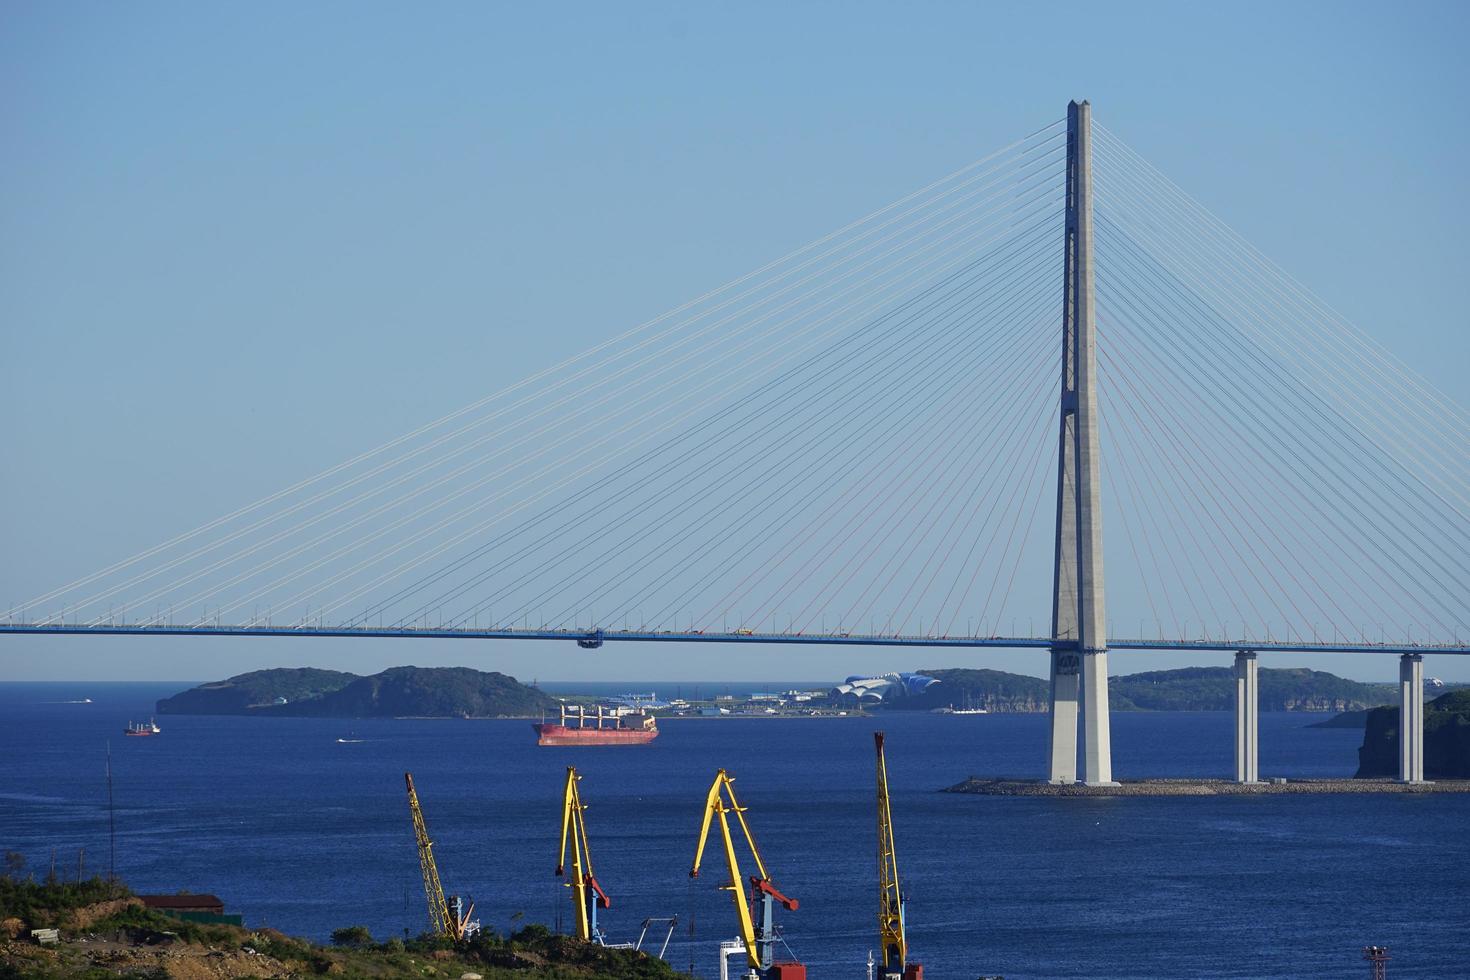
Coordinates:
[1079,660]
[1411,718]
[1097,739]
[1247,718]
[1066,692]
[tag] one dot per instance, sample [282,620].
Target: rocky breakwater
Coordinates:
[1201,787]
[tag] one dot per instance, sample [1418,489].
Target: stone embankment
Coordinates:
[1202,787]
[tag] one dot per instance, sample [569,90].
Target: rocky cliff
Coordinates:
[1446,739]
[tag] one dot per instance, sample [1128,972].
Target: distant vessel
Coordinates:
[141,729]
[968,709]
[620,732]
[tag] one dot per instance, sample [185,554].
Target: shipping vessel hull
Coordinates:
[552,734]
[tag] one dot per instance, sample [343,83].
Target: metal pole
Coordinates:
[111,823]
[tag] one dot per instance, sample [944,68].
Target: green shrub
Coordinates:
[531,935]
[43,904]
[354,936]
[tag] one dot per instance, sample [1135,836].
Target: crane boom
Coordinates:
[442,922]
[760,940]
[587,894]
[892,935]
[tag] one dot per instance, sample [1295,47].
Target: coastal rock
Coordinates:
[1446,739]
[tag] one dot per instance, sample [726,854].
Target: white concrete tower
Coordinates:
[1079,659]
[1247,718]
[1411,718]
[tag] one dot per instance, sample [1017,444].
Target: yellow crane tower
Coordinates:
[760,939]
[892,935]
[443,922]
[587,894]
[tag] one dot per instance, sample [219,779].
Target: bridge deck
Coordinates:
[593,638]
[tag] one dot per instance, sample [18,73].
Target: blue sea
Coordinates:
[303,833]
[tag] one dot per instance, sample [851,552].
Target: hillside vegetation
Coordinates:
[419,692]
[1186,689]
[257,689]
[1213,689]
[993,690]
[1446,739]
[107,933]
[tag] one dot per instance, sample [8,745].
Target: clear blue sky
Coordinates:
[240,242]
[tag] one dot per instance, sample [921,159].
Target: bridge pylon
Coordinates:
[1079,656]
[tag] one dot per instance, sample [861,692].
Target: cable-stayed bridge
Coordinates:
[866,441]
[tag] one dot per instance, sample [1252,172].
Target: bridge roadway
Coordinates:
[596,637]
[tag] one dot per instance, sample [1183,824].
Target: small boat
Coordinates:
[350,741]
[970,708]
[141,729]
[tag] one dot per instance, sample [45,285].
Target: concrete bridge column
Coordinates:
[1411,718]
[1097,741]
[1079,668]
[1066,693]
[1247,718]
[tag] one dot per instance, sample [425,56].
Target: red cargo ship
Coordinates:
[642,730]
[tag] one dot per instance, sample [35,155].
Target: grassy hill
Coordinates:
[243,692]
[106,932]
[418,692]
[1213,689]
[1185,689]
[993,690]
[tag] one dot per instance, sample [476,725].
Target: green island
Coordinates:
[398,692]
[1184,689]
[461,692]
[103,931]
[1446,739]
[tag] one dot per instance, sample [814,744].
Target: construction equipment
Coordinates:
[452,924]
[759,940]
[587,894]
[892,935]
[671,921]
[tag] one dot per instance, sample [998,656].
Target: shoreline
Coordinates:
[978,786]
[536,719]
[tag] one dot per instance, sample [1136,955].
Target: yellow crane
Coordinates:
[760,938]
[443,922]
[587,894]
[892,935]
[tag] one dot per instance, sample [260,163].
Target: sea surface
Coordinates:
[302,832]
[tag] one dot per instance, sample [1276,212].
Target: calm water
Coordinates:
[299,832]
